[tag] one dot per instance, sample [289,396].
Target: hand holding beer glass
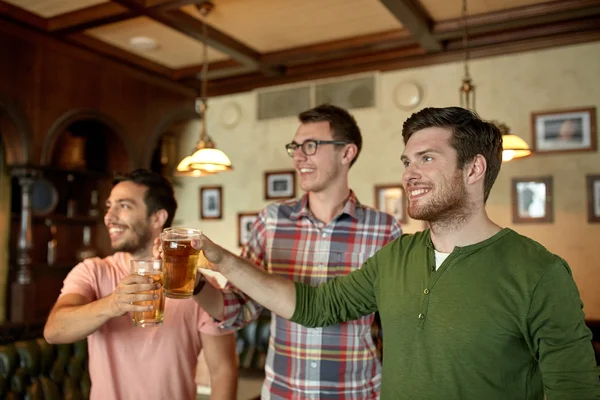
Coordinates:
[180,260]
[155,316]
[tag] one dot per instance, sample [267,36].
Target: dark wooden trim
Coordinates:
[81,51]
[387,63]
[90,17]
[64,121]
[537,31]
[117,53]
[554,11]
[22,15]
[161,128]
[340,48]
[194,70]
[193,28]
[18,148]
[176,4]
[415,19]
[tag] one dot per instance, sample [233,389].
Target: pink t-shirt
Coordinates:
[127,362]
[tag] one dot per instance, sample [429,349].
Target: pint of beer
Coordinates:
[154,317]
[180,260]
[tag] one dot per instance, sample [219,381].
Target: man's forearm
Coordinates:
[273,292]
[69,324]
[224,386]
[211,300]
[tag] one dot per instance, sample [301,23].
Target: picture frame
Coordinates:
[280,185]
[532,199]
[593,192]
[211,202]
[391,198]
[561,131]
[245,222]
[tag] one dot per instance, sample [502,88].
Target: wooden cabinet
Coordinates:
[62,204]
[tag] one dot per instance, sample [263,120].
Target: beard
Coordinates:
[140,240]
[448,205]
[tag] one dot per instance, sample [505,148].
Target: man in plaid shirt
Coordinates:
[325,234]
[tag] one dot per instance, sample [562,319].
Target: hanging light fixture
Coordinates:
[512,145]
[467,88]
[206,159]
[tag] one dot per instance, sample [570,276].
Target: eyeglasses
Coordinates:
[309,147]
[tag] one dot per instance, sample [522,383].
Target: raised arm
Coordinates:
[74,317]
[345,298]
[560,340]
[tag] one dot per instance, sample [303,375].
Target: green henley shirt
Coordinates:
[499,320]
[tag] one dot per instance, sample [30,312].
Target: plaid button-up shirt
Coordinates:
[334,362]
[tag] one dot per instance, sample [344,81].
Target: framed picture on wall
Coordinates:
[211,202]
[564,130]
[593,190]
[280,185]
[392,200]
[532,199]
[245,221]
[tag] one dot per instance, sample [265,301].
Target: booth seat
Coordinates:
[34,369]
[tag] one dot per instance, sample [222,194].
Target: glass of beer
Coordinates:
[154,317]
[180,260]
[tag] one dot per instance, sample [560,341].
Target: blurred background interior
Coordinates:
[93,87]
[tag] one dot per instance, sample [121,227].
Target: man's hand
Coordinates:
[214,254]
[157,251]
[131,290]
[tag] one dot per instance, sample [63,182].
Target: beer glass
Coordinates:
[154,317]
[180,260]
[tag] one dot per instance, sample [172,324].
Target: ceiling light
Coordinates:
[513,146]
[206,160]
[143,43]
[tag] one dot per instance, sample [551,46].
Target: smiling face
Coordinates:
[327,166]
[126,218]
[435,185]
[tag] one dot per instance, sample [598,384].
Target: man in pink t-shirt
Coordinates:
[127,362]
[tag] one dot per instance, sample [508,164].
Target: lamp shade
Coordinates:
[206,161]
[514,147]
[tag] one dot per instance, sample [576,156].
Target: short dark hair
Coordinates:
[342,123]
[470,136]
[160,194]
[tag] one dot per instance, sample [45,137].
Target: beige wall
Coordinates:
[509,88]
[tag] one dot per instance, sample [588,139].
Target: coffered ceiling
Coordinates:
[256,43]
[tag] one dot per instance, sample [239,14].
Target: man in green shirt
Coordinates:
[470,310]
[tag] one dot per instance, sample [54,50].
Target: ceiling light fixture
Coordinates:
[467,89]
[512,145]
[143,43]
[206,159]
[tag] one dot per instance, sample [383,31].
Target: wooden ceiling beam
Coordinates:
[395,60]
[21,15]
[550,12]
[416,21]
[89,17]
[115,53]
[216,39]
[177,4]
[340,48]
